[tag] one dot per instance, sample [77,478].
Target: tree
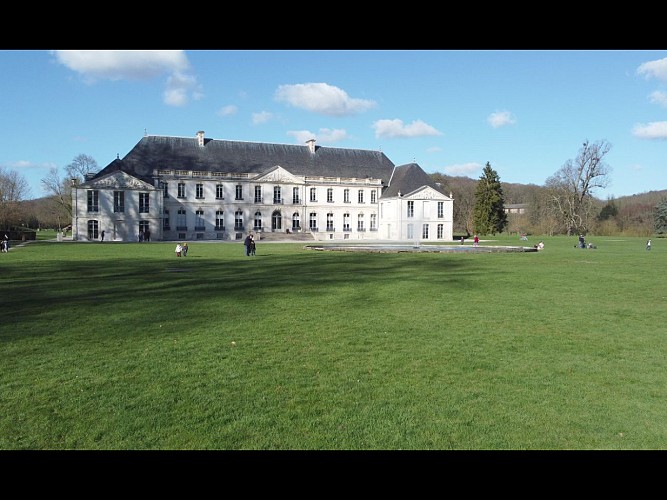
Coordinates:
[489,216]
[13,190]
[572,186]
[660,224]
[80,167]
[61,189]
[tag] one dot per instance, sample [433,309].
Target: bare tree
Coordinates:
[80,166]
[572,187]
[60,189]
[13,190]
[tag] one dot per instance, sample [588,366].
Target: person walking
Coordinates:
[102,235]
[184,248]
[179,249]
[476,241]
[648,245]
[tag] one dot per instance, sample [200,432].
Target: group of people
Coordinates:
[4,244]
[144,236]
[182,249]
[249,243]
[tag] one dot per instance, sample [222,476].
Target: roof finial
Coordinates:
[145,132]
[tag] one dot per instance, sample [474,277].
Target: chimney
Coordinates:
[200,138]
[311,145]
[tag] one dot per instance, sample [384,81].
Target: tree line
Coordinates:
[566,204]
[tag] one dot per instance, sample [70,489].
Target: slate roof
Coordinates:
[184,153]
[408,178]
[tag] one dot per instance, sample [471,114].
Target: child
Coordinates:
[252,246]
[184,248]
[179,249]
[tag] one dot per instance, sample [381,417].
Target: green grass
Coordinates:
[116,346]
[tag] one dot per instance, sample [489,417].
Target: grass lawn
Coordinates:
[124,346]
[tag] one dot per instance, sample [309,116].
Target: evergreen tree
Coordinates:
[489,216]
[660,224]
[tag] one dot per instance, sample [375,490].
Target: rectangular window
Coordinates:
[346,196]
[374,196]
[199,222]
[330,222]
[441,231]
[181,220]
[361,196]
[346,222]
[373,222]
[258,194]
[411,208]
[181,189]
[144,206]
[93,201]
[165,190]
[411,232]
[119,202]
[295,195]
[360,222]
[239,192]
[330,195]
[277,195]
[165,221]
[441,209]
[424,231]
[219,220]
[312,222]
[199,191]
[313,194]
[219,192]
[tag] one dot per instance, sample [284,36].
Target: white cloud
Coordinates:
[324,136]
[656,69]
[261,117]
[652,130]
[180,88]
[114,65]
[500,119]
[659,97]
[122,64]
[321,98]
[464,169]
[396,128]
[228,110]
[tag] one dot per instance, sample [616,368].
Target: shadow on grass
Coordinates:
[146,290]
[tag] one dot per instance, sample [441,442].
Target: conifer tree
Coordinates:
[489,215]
[660,224]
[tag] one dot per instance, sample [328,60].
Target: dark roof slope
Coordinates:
[408,178]
[183,153]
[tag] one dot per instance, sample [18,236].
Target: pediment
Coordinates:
[119,180]
[279,174]
[426,193]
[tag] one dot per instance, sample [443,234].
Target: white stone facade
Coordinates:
[190,205]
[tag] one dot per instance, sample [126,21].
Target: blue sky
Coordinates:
[525,111]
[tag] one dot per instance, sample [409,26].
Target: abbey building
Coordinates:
[197,188]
